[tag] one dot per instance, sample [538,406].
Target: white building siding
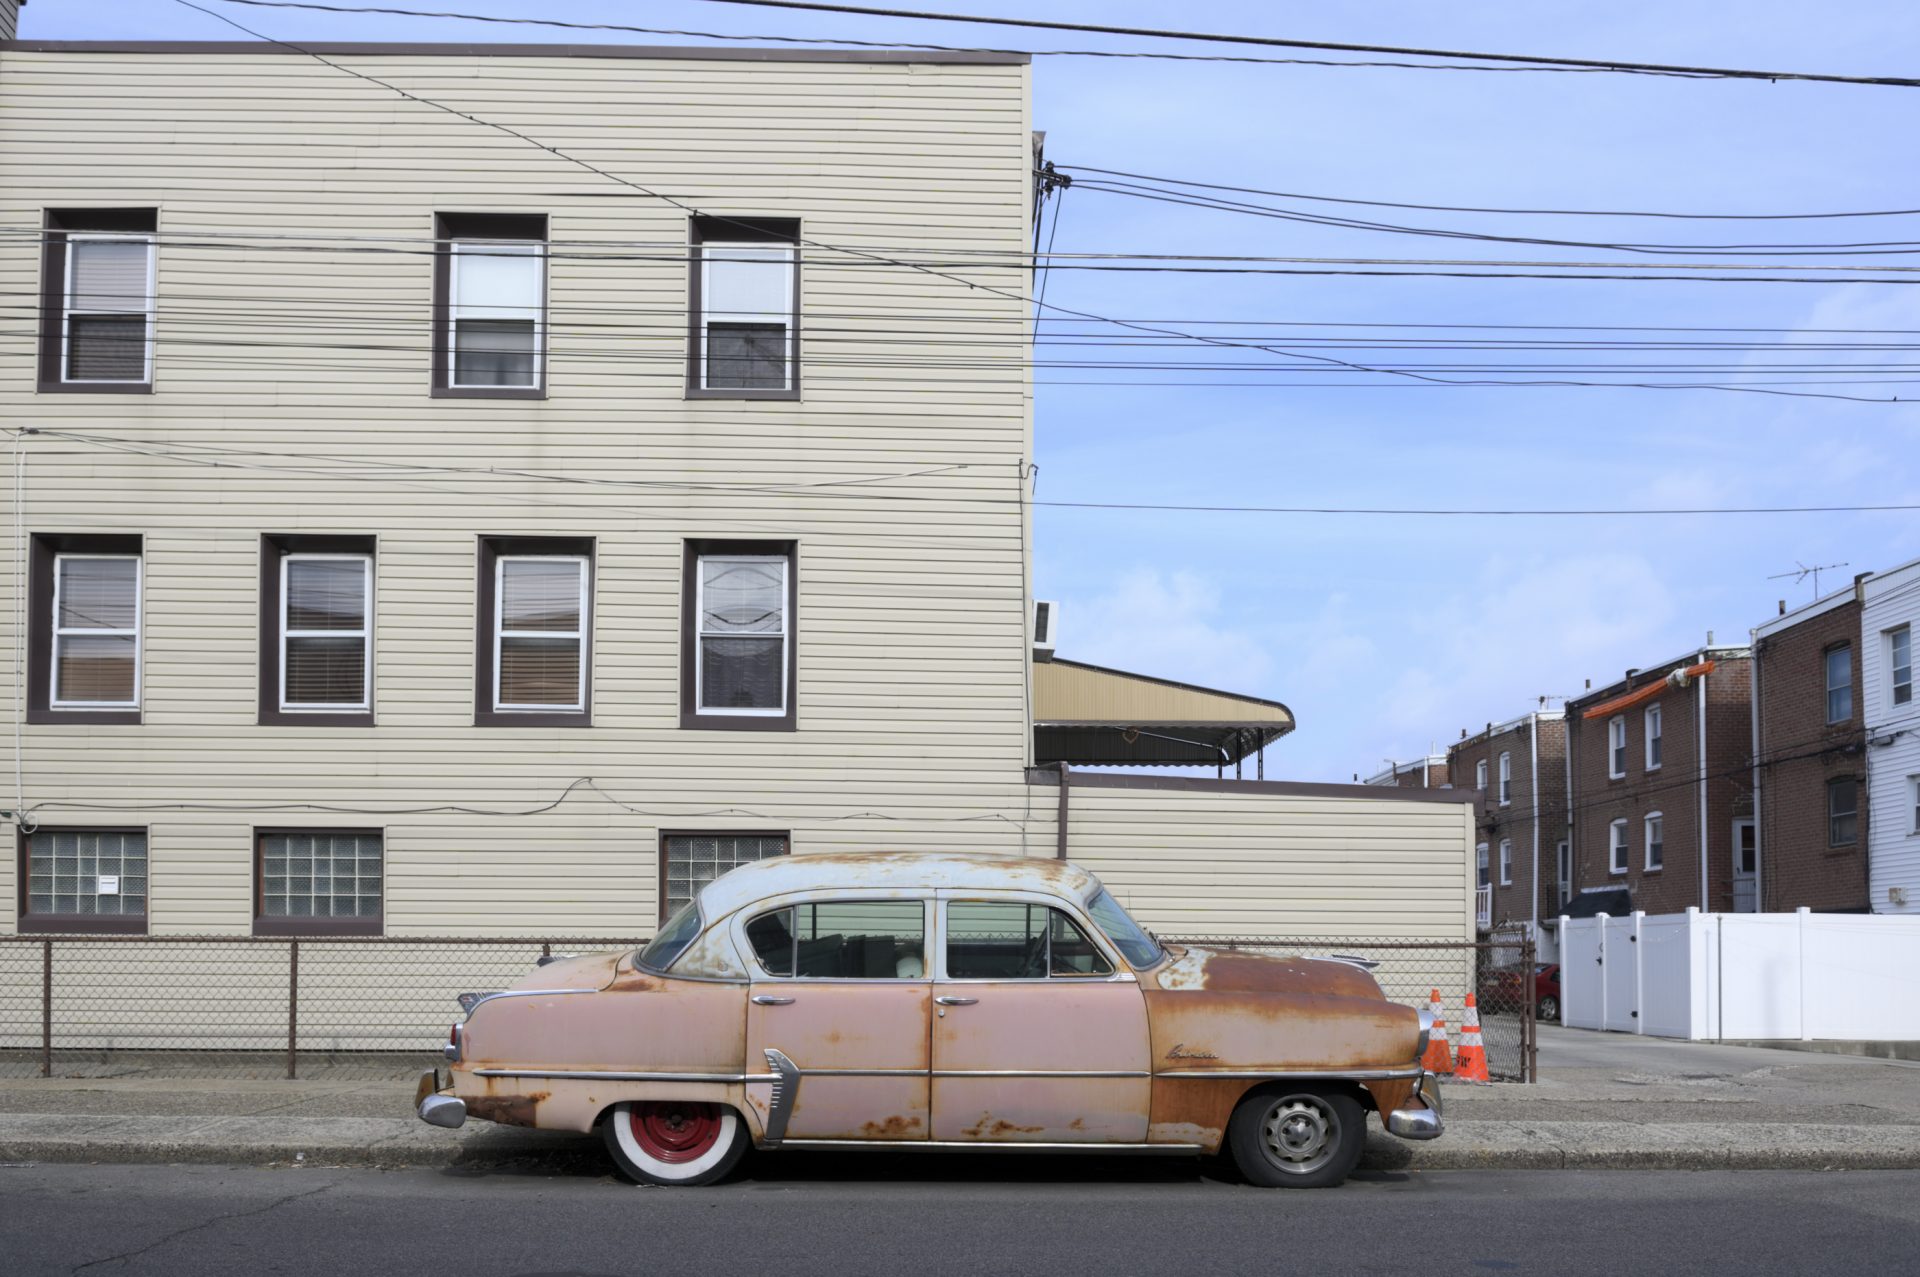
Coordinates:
[1893,744]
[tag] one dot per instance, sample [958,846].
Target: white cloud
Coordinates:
[1167,625]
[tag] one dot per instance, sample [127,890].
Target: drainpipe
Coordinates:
[1753,690]
[1060,833]
[1700,734]
[1533,770]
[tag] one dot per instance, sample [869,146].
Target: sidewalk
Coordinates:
[1605,1100]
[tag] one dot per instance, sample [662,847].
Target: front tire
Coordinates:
[1297,1138]
[675,1143]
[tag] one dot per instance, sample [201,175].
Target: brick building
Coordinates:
[1519,769]
[1809,846]
[1659,767]
[1420,773]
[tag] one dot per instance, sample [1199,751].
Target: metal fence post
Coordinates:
[46,1008]
[293,1002]
[1529,1023]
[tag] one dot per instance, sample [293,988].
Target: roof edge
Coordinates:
[1269,788]
[1660,669]
[689,52]
[1185,687]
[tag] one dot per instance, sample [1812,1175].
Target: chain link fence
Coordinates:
[244,1006]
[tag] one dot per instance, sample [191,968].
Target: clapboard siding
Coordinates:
[911,651]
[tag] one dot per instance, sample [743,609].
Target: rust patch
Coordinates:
[990,1127]
[1388,1096]
[1199,1105]
[1077,1124]
[893,1128]
[507,1110]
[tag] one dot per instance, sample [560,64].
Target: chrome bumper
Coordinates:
[1419,1123]
[434,1108]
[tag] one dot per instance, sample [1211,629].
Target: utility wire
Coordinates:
[1330,46]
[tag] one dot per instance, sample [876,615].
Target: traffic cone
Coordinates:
[1439,1057]
[1472,1065]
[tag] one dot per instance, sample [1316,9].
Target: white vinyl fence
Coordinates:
[1743,975]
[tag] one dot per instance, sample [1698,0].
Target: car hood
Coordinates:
[1218,970]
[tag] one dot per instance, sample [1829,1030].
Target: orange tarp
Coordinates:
[1648,692]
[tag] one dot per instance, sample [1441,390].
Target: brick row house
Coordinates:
[1418,773]
[1517,772]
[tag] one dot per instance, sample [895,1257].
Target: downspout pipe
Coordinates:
[1700,735]
[1060,833]
[1759,824]
[1533,770]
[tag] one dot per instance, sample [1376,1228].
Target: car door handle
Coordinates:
[955,1002]
[771,1000]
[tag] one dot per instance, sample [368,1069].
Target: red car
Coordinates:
[1503,991]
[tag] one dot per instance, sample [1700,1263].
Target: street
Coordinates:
[907,1214]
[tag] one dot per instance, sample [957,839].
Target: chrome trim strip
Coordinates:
[605,1075]
[1282,1075]
[786,1090]
[1040,1073]
[865,1072]
[991,1146]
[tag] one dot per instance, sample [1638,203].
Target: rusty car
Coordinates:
[938,1001]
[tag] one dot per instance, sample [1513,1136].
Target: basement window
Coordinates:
[84,880]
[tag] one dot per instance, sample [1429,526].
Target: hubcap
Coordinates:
[1300,1134]
[675,1132]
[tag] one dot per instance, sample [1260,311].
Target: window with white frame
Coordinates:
[1506,780]
[1653,727]
[326,632]
[96,632]
[742,632]
[1480,864]
[108,312]
[540,632]
[1900,663]
[1655,833]
[1913,803]
[1506,862]
[1564,853]
[745,339]
[1843,812]
[1616,747]
[1839,666]
[1480,775]
[1617,847]
[495,306]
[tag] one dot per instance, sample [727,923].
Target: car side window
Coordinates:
[843,940]
[1013,940]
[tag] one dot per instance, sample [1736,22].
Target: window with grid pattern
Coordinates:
[322,874]
[694,860]
[81,873]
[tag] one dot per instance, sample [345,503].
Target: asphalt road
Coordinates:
[919,1216]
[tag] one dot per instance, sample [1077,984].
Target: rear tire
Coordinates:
[1297,1137]
[674,1143]
[1548,1009]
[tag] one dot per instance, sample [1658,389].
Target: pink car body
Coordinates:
[953,1028]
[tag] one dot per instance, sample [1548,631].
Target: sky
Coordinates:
[1387,635]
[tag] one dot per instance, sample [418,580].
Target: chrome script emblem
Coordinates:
[1179,1052]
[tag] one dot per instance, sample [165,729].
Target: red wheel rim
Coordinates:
[669,1131]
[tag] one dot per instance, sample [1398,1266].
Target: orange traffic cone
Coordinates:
[1473,1053]
[1439,1056]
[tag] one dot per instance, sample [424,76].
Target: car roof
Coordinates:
[900,870]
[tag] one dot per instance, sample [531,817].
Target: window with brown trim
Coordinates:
[534,634]
[744,309]
[316,630]
[318,882]
[97,300]
[84,630]
[1843,812]
[737,664]
[689,861]
[490,305]
[90,881]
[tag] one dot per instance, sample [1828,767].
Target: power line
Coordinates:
[1460,208]
[1330,46]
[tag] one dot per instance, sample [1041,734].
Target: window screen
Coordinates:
[746,328]
[96,630]
[320,874]
[843,940]
[742,656]
[1013,940]
[495,304]
[80,873]
[694,860]
[325,631]
[541,632]
[109,308]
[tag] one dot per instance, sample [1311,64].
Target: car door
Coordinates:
[840,990]
[1039,1030]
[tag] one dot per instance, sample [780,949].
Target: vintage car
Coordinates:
[911,1000]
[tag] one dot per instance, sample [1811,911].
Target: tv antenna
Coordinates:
[1802,572]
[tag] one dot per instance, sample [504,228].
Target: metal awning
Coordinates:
[1090,716]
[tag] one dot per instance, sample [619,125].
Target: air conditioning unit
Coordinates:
[1044,616]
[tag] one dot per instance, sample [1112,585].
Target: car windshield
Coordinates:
[671,940]
[1141,949]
